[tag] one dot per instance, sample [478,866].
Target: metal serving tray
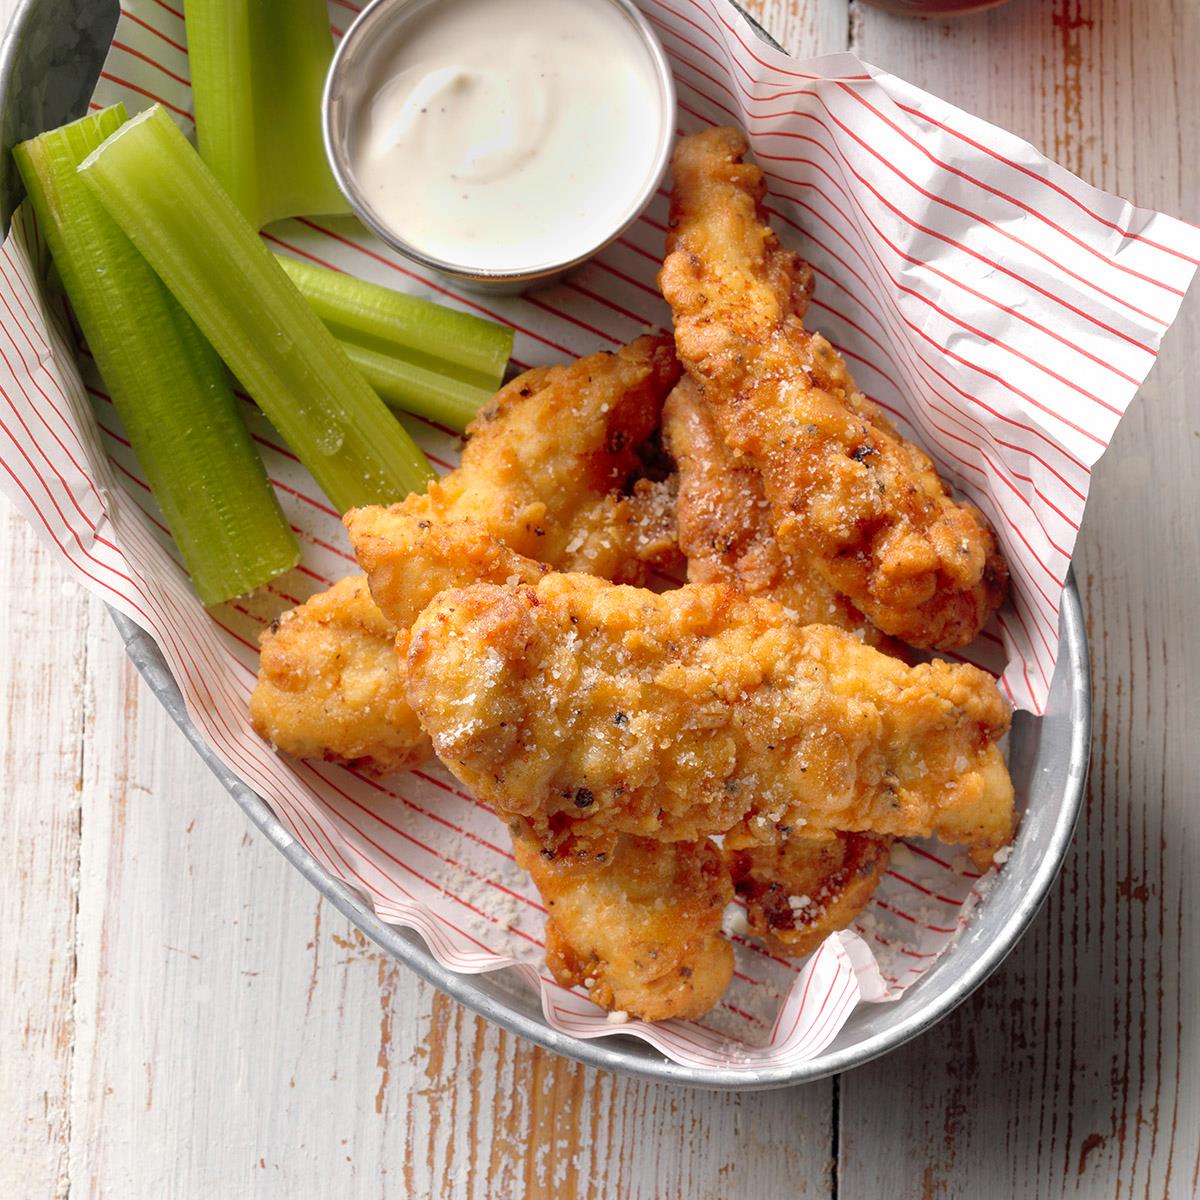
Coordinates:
[49,62]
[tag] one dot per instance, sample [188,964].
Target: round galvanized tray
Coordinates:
[49,62]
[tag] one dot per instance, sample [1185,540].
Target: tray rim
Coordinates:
[612,1054]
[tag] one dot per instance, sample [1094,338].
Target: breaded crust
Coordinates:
[550,464]
[801,889]
[331,686]
[725,528]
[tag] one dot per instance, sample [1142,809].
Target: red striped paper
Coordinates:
[1001,310]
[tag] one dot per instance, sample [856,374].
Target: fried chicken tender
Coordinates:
[593,710]
[410,560]
[548,462]
[330,684]
[545,471]
[639,924]
[725,530]
[801,889]
[845,491]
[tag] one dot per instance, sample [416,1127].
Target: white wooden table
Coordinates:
[181,1017]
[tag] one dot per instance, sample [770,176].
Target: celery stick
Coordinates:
[170,205]
[420,356]
[166,381]
[258,68]
[474,350]
[416,389]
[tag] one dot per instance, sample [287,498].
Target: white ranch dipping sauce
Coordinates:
[510,134]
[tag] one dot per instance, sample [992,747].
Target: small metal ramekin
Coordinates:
[373,34]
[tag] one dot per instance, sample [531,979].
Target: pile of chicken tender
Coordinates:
[765,729]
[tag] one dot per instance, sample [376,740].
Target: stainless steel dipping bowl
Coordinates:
[368,41]
[49,62]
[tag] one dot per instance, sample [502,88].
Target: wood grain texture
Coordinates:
[498,1117]
[183,1017]
[42,702]
[804,28]
[1072,1073]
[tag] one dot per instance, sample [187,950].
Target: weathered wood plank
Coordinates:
[804,28]
[495,1116]
[43,665]
[1068,1074]
[232,1038]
